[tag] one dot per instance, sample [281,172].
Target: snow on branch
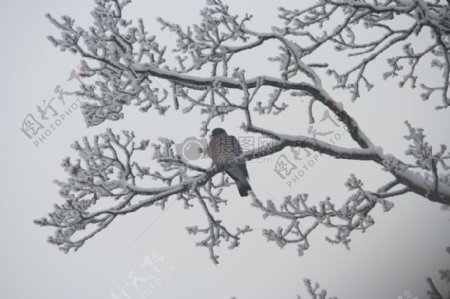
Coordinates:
[107,180]
[434,164]
[107,173]
[434,292]
[112,45]
[352,216]
[122,62]
[314,291]
[382,19]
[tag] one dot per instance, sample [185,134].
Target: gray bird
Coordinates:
[223,148]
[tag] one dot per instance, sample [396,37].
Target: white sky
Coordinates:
[405,245]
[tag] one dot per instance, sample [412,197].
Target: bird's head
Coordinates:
[217,132]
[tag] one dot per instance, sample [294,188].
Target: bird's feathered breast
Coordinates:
[224,148]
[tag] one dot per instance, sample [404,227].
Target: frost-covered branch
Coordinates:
[314,291]
[122,62]
[123,57]
[303,218]
[433,292]
[108,174]
[392,24]
[215,231]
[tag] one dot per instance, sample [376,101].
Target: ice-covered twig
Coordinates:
[123,62]
[433,292]
[303,218]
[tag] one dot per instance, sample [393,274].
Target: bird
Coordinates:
[223,149]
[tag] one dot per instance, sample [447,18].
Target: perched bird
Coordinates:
[223,148]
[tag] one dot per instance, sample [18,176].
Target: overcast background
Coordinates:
[396,254]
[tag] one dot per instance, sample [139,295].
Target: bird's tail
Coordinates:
[243,187]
